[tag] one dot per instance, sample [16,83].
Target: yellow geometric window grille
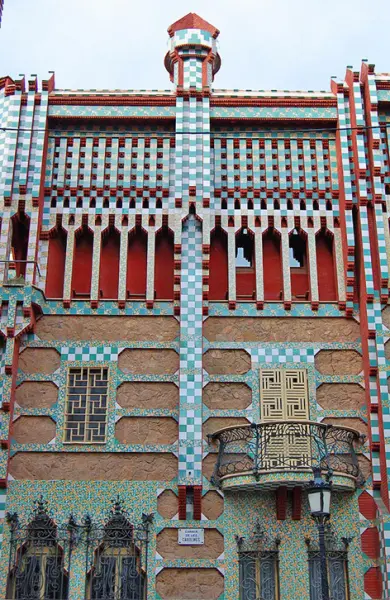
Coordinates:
[284,398]
[86,406]
[284,395]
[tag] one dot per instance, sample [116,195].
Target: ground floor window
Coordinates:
[337,566]
[337,575]
[44,555]
[259,576]
[258,559]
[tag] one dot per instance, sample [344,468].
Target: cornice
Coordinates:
[62,100]
[272,101]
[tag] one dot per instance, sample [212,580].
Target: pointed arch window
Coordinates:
[117,572]
[38,567]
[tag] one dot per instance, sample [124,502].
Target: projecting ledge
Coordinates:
[265,456]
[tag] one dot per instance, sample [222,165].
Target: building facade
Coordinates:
[194,315]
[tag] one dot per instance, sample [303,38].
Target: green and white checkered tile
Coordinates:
[191,342]
[281,355]
[87,353]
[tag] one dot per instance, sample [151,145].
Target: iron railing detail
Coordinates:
[43,554]
[288,446]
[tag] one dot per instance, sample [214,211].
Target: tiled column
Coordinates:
[311,246]
[191,347]
[286,266]
[232,263]
[150,265]
[259,265]
[123,264]
[70,242]
[97,242]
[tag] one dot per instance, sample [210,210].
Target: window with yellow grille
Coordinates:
[283,399]
[86,406]
[284,395]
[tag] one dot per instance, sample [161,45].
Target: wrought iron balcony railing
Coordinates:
[286,447]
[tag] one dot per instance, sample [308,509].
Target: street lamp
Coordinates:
[319,494]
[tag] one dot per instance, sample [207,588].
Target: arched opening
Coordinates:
[137,251]
[82,263]
[245,265]
[56,264]
[218,279]
[109,264]
[117,571]
[164,265]
[272,266]
[326,273]
[19,243]
[299,268]
[37,560]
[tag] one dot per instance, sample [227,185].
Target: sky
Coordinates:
[264,44]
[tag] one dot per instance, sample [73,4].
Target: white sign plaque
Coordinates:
[191,537]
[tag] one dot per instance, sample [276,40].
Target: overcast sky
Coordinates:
[264,44]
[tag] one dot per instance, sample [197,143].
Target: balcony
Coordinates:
[269,455]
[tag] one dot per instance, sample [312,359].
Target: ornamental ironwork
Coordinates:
[42,554]
[258,560]
[286,446]
[337,566]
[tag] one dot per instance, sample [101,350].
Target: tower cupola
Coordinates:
[192,58]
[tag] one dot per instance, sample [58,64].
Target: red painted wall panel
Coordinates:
[245,282]
[56,266]
[272,267]
[109,265]
[164,265]
[218,282]
[326,275]
[299,283]
[82,264]
[137,263]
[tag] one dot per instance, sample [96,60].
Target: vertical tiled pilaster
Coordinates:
[70,243]
[286,266]
[259,265]
[97,243]
[190,418]
[150,265]
[232,264]
[311,246]
[123,264]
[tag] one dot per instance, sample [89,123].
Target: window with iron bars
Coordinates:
[258,560]
[259,576]
[86,406]
[337,564]
[38,569]
[43,555]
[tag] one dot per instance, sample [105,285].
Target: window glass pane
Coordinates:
[267,578]
[315,578]
[248,578]
[103,582]
[131,580]
[336,577]
[336,567]
[28,582]
[56,583]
